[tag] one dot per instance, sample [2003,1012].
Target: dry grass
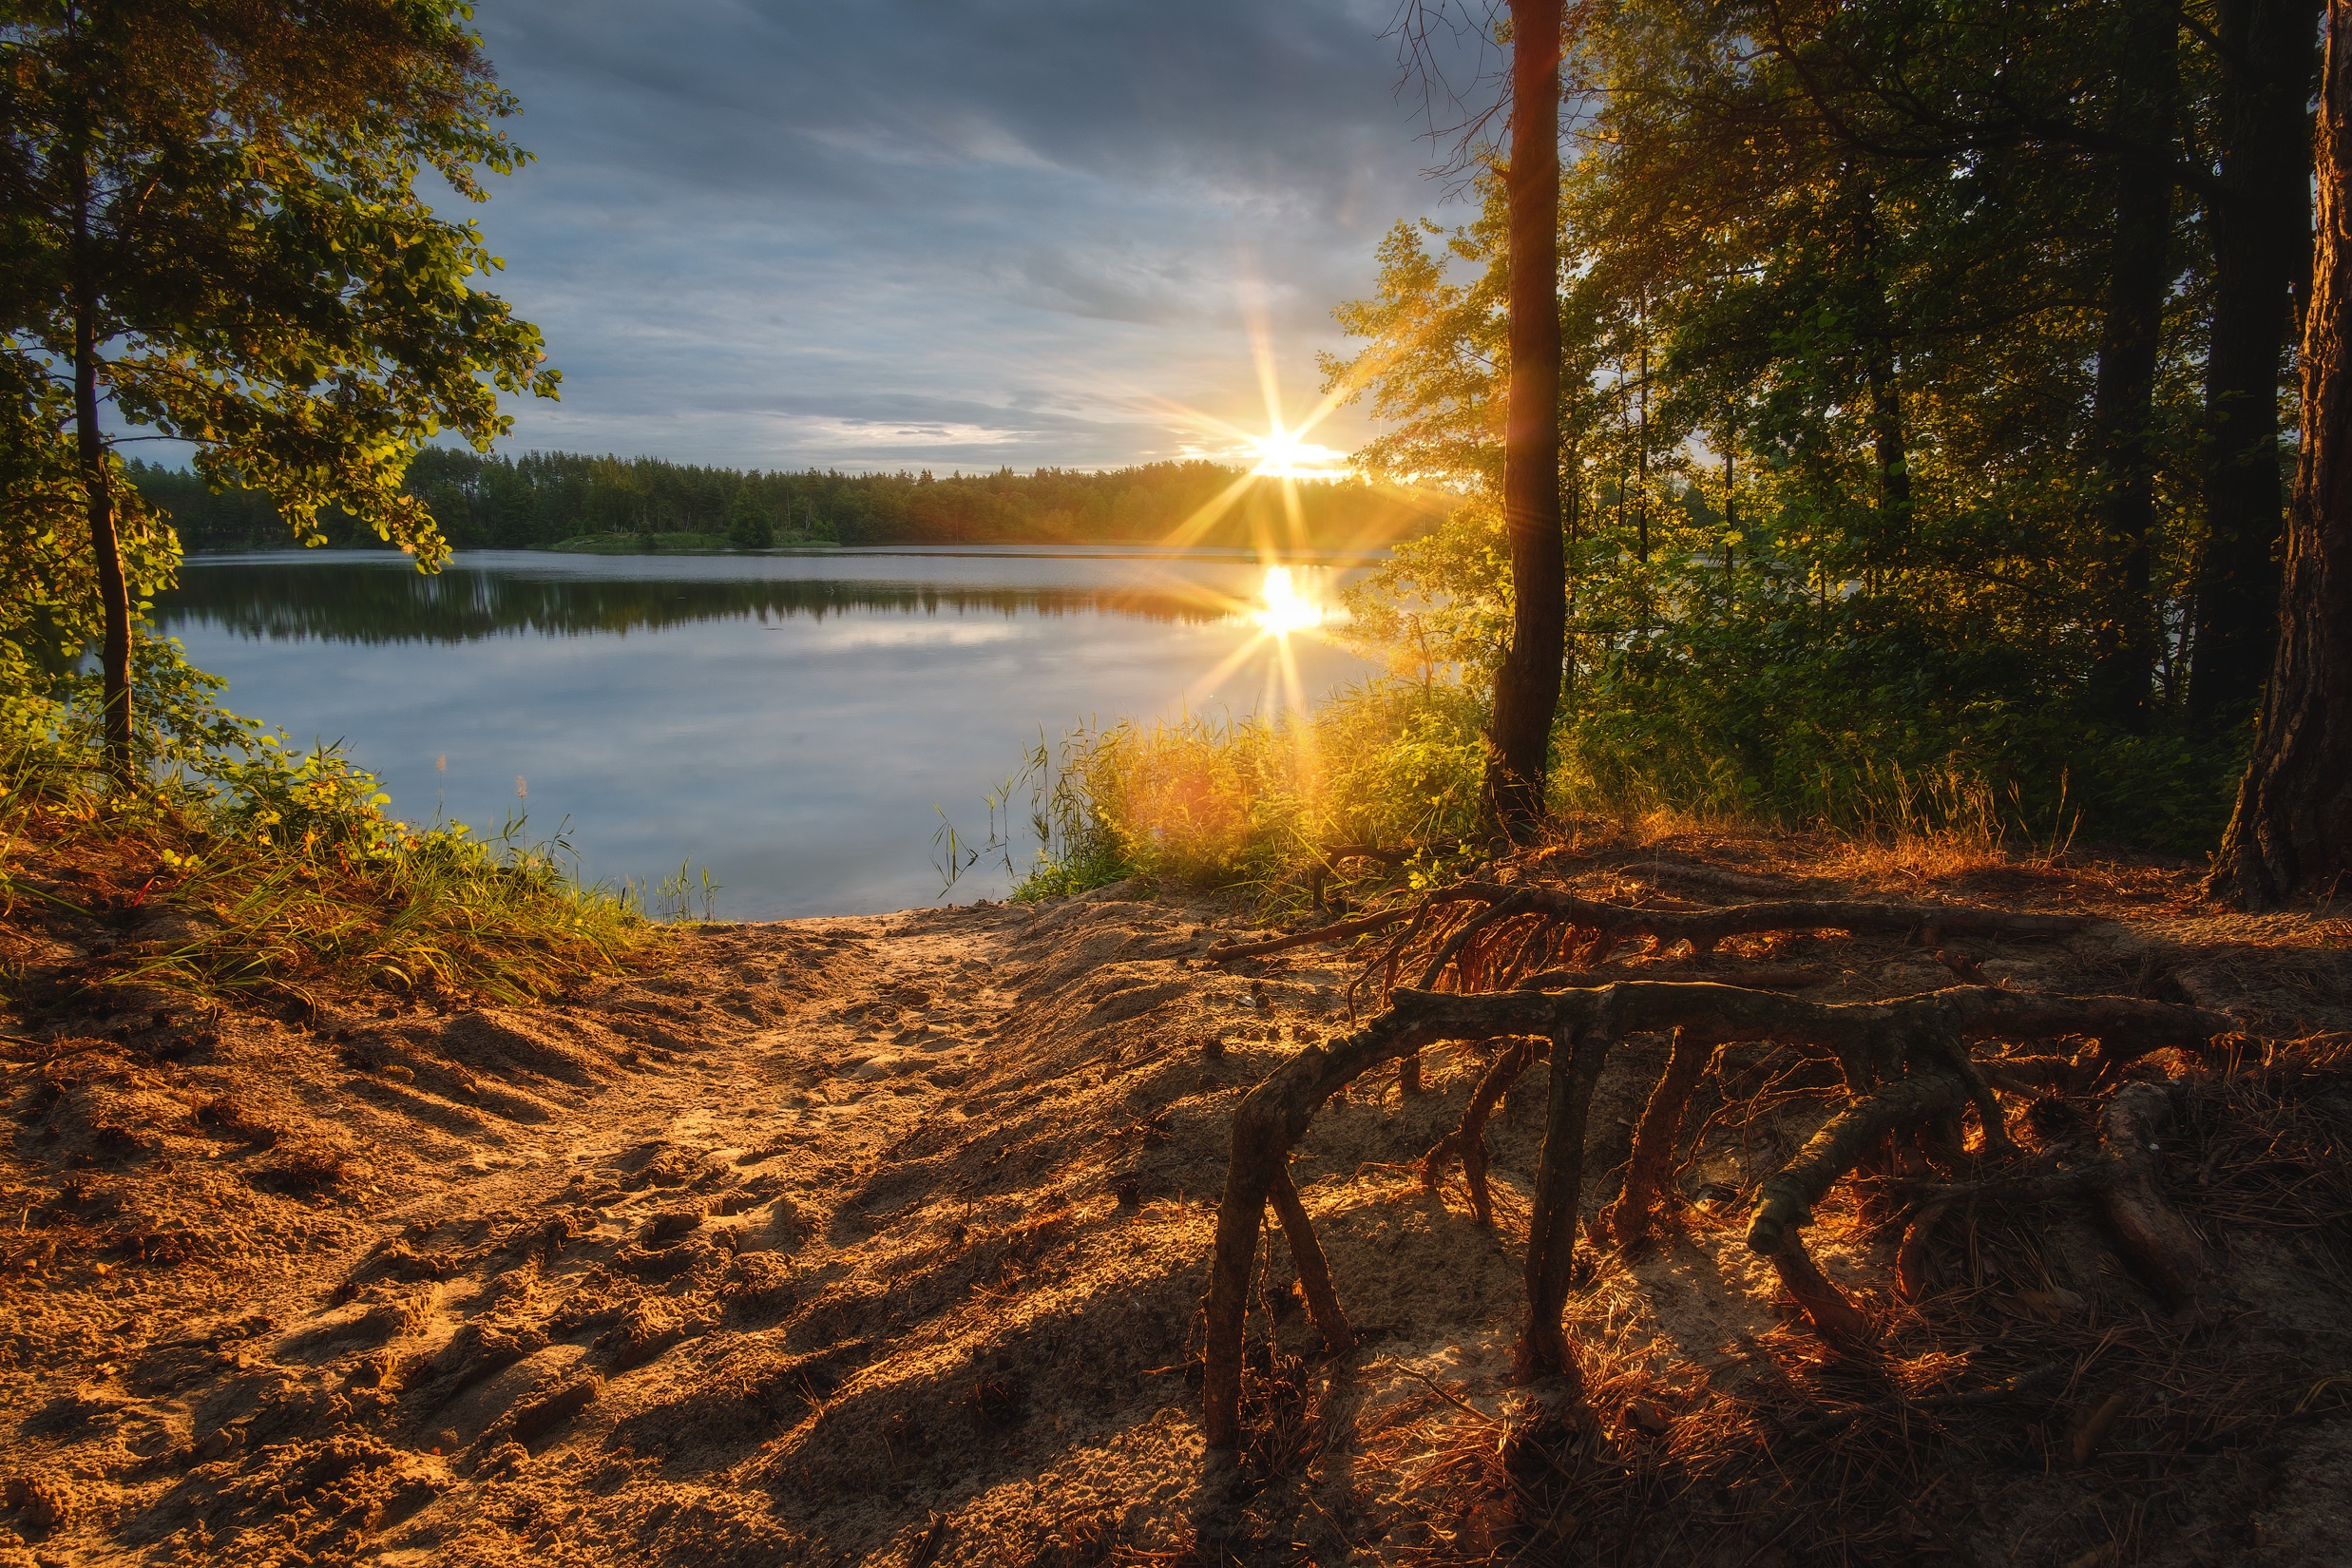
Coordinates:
[163,896]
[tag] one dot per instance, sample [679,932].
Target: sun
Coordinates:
[1284,455]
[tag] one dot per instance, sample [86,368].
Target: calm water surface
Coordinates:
[791,723]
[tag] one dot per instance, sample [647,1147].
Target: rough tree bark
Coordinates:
[2130,336]
[1528,685]
[2261,230]
[2292,833]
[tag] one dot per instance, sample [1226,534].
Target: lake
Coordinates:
[796,723]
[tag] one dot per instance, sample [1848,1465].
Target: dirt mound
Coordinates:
[886,1241]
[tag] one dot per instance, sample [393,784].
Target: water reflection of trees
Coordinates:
[338,603]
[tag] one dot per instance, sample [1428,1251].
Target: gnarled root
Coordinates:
[1543,1349]
[2047,1181]
[1469,1140]
[1789,1194]
[1314,1273]
[1267,1123]
[1911,1278]
[2159,1244]
[1627,1220]
[1465,948]
[1826,1307]
[1903,1059]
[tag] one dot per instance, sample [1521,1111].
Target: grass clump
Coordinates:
[1250,802]
[243,867]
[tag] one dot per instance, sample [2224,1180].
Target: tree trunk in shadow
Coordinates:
[2261,230]
[2292,833]
[2138,274]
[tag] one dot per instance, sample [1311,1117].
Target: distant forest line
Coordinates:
[546,499]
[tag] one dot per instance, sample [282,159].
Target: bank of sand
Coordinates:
[882,1241]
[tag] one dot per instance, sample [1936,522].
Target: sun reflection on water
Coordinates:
[1286,610]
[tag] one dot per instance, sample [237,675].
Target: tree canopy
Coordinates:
[217,233]
[1917,414]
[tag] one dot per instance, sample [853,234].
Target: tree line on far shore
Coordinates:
[544,499]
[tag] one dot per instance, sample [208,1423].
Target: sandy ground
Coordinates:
[882,1241]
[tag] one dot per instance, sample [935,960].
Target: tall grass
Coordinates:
[1226,801]
[1259,803]
[280,873]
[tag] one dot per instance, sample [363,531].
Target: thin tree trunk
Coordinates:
[2123,409]
[1528,685]
[1730,508]
[2292,833]
[1887,437]
[1641,481]
[106,550]
[2261,232]
[91,456]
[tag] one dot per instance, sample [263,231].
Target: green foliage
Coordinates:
[749,525]
[286,870]
[49,612]
[222,204]
[1830,422]
[678,895]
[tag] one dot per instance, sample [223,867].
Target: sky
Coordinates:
[944,233]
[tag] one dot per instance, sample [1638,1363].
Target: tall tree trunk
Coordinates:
[2261,254]
[2292,833]
[1528,685]
[2123,410]
[106,551]
[90,454]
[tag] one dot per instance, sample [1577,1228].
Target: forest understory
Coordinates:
[886,1240]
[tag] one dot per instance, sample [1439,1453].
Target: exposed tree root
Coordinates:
[1904,1060]
[1627,1220]
[2121,1172]
[1338,931]
[1577,1062]
[1787,1195]
[2157,1242]
[1468,1141]
[1926,924]
[1314,1273]
[1826,1307]
[2049,1179]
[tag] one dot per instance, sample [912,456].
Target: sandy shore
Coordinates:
[874,1240]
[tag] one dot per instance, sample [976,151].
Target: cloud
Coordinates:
[774,233]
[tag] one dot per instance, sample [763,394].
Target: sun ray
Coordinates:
[1208,513]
